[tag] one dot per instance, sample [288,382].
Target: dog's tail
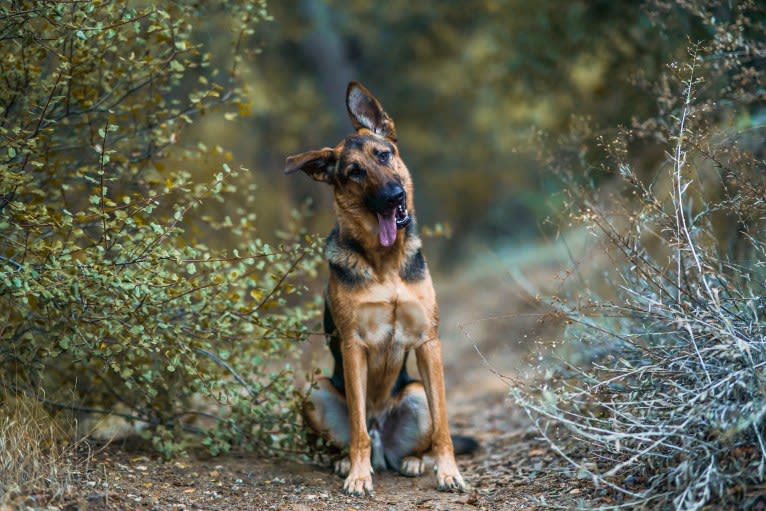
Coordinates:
[464,444]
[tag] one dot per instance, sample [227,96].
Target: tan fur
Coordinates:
[382,309]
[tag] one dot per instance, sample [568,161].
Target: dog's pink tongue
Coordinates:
[387,225]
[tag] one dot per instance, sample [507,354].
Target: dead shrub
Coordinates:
[668,391]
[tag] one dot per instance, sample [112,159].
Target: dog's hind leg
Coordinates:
[326,413]
[406,433]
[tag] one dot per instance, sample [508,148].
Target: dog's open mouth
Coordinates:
[390,222]
[402,217]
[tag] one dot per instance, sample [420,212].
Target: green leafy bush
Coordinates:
[666,404]
[110,297]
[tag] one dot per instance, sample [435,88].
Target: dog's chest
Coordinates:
[391,318]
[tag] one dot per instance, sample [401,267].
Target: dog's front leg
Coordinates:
[359,480]
[431,370]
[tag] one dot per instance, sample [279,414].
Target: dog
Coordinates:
[379,306]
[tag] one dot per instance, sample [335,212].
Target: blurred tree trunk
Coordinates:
[325,47]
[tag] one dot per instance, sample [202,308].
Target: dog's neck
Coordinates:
[363,235]
[356,255]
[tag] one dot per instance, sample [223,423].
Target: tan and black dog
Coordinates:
[379,306]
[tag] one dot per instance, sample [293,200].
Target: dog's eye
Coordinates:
[356,172]
[384,157]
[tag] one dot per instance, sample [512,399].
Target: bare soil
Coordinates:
[482,311]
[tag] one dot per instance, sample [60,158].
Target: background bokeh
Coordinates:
[470,86]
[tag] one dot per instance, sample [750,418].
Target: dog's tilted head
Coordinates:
[369,178]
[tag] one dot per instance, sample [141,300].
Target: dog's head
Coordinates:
[368,176]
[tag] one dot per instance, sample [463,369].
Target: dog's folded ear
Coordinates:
[366,112]
[319,164]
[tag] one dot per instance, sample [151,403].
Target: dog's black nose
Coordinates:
[386,198]
[393,194]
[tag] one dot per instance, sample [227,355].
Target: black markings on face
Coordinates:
[356,172]
[361,151]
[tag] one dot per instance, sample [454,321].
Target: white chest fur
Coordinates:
[391,318]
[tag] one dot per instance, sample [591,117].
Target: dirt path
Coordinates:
[512,471]
[480,308]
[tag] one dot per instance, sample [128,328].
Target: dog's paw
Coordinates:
[343,466]
[448,477]
[358,483]
[412,466]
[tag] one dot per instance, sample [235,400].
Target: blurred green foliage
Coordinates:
[469,84]
[110,298]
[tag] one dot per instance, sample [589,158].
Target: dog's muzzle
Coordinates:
[390,206]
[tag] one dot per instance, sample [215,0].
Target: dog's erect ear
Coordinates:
[319,164]
[366,112]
